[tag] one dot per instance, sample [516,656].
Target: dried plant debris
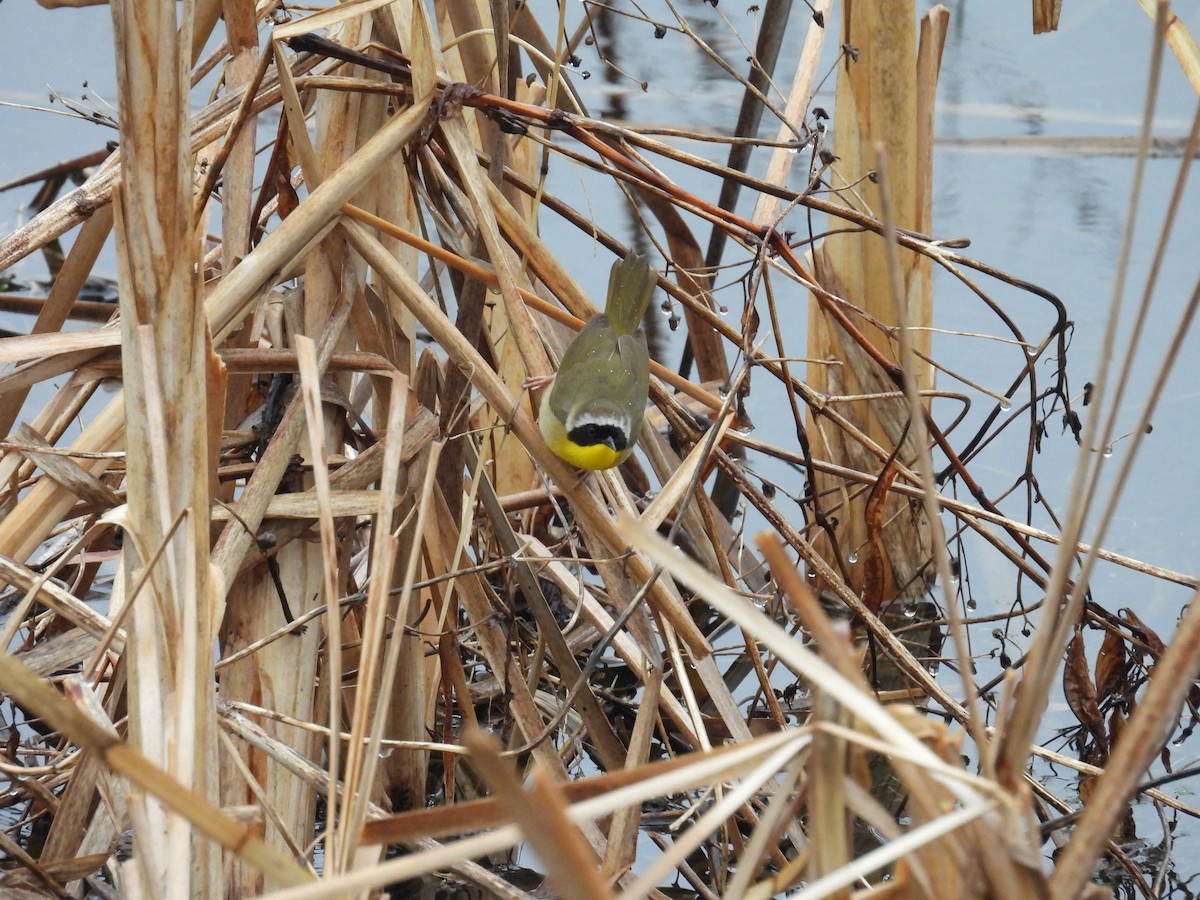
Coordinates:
[296,598]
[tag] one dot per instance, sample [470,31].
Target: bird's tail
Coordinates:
[630,287]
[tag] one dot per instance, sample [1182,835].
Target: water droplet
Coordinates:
[852,558]
[1005,404]
[1031,350]
[811,574]
[722,311]
[910,610]
[971,604]
[1107,451]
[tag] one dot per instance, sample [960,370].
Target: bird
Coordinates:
[592,414]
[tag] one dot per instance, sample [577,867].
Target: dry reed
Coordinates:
[356,602]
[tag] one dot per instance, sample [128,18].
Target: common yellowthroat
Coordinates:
[591,416]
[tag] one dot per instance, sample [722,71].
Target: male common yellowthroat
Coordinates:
[591,416]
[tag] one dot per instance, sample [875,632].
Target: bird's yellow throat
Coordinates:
[594,456]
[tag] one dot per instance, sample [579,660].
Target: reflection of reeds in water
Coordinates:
[369,531]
